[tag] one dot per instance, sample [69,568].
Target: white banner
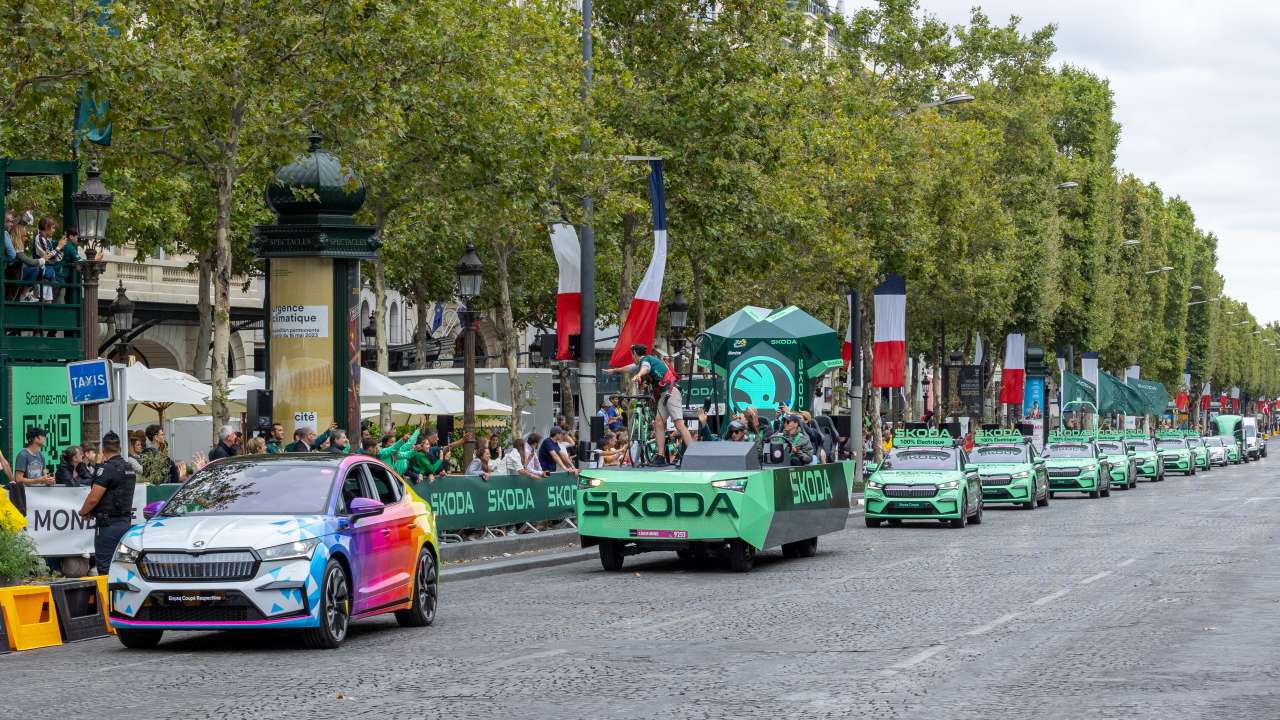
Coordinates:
[54,522]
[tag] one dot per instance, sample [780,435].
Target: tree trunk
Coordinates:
[222,301]
[204,308]
[383,361]
[510,341]
[421,328]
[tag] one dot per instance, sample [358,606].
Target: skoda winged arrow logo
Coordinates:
[761,381]
[197,543]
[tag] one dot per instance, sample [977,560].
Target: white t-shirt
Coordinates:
[511,462]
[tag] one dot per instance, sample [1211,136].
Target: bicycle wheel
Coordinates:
[640,440]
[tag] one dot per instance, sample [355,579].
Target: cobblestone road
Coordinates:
[1161,602]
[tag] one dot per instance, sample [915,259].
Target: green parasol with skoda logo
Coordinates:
[771,360]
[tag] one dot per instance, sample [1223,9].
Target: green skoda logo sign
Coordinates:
[762,381]
[601,503]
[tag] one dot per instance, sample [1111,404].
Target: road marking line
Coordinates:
[1051,597]
[1128,562]
[993,624]
[525,658]
[917,658]
[1095,578]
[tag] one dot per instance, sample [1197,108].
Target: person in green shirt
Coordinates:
[397,454]
[275,441]
[657,376]
[431,459]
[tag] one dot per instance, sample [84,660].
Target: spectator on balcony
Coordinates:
[14,252]
[67,264]
[49,252]
[157,445]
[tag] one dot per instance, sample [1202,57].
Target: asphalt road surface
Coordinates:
[1160,602]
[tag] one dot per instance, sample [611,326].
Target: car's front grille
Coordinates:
[1170,457]
[910,491]
[997,479]
[196,606]
[996,493]
[1063,482]
[179,566]
[1063,472]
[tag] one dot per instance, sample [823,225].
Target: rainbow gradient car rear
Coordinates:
[304,542]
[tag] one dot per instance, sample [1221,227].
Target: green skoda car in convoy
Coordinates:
[1199,451]
[1076,465]
[1233,449]
[924,477]
[1011,471]
[1124,468]
[1148,462]
[721,501]
[1175,452]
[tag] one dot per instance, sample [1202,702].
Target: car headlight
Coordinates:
[290,550]
[874,485]
[1021,475]
[1090,466]
[126,554]
[949,485]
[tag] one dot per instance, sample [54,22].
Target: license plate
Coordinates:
[195,597]
[661,534]
[909,505]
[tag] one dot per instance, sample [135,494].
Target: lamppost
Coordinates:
[470,272]
[678,312]
[92,204]
[121,311]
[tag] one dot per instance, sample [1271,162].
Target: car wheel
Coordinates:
[335,609]
[426,590]
[611,556]
[977,517]
[894,521]
[139,639]
[1053,495]
[1094,494]
[963,520]
[1031,504]
[742,556]
[872,522]
[1044,501]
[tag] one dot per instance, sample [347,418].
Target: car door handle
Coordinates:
[386,531]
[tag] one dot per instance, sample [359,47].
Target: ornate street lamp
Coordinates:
[370,333]
[92,204]
[121,310]
[470,273]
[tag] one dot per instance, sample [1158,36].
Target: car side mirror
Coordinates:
[970,467]
[152,509]
[1131,452]
[366,507]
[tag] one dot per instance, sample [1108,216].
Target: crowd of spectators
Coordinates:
[39,264]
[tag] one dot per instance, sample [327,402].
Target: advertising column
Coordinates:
[302,343]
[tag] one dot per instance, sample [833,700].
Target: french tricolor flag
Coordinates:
[889,353]
[642,316]
[564,242]
[1013,376]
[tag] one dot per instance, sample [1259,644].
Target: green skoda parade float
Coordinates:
[1124,466]
[725,498]
[721,501]
[1076,465]
[1145,458]
[1175,452]
[1011,470]
[924,477]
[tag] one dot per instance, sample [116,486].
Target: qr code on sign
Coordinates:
[58,427]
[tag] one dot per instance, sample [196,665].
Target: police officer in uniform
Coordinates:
[110,501]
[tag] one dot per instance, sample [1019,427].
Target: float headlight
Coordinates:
[590,482]
[734,484]
[126,554]
[949,485]
[1021,475]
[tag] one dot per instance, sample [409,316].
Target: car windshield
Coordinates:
[1110,447]
[1213,442]
[1171,444]
[1194,442]
[1227,440]
[1139,445]
[998,454]
[238,488]
[921,459]
[1069,450]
